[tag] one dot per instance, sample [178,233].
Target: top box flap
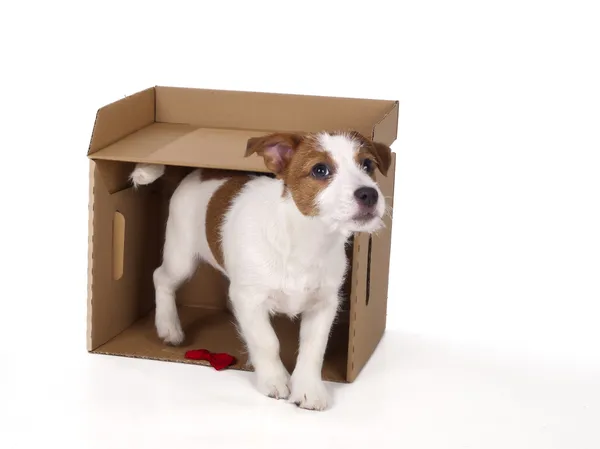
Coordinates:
[121,118]
[210,128]
[259,110]
[186,145]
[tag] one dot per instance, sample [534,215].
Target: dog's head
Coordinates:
[330,176]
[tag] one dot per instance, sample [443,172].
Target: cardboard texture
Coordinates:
[185,128]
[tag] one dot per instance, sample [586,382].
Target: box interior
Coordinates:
[138,224]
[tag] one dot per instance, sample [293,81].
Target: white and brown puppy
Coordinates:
[280,241]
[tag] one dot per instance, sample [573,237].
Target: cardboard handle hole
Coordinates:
[118,245]
[368,292]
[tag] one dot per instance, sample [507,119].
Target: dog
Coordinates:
[280,240]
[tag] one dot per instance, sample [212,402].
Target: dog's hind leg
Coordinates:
[179,263]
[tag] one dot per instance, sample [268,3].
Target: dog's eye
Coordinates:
[321,171]
[367,165]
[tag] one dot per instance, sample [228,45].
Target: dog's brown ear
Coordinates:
[276,149]
[381,152]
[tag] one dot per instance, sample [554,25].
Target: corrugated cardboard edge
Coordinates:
[92,169]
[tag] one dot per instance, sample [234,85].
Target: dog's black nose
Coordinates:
[367,196]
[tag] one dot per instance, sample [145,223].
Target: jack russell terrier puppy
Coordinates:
[280,241]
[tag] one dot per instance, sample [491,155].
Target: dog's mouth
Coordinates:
[364,217]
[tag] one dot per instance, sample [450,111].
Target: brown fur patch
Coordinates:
[363,154]
[218,206]
[381,154]
[208,174]
[298,178]
[174,175]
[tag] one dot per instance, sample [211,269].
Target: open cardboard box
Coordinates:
[185,128]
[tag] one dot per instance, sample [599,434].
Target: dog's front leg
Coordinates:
[308,389]
[253,317]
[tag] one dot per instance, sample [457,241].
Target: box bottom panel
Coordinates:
[215,330]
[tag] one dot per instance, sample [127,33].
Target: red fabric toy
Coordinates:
[218,361]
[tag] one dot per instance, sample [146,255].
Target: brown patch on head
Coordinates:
[379,153]
[292,157]
[299,180]
[218,206]
[365,159]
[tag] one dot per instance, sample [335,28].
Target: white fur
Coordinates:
[337,202]
[146,174]
[278,261]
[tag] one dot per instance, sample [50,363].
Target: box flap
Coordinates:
[186,145]
[121,118]
[261,110]
[210,128]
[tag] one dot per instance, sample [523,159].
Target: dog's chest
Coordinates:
[298,282]
[298,289]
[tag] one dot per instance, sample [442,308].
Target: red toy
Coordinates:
[218,361]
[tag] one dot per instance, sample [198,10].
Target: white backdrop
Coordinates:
[496,242]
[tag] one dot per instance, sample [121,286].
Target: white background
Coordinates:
[494,299]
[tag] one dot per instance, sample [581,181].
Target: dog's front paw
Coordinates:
[169,330]
[274,383]
[309,393]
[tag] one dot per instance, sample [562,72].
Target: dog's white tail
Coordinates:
[144,174]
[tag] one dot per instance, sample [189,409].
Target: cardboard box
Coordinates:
[185,128]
